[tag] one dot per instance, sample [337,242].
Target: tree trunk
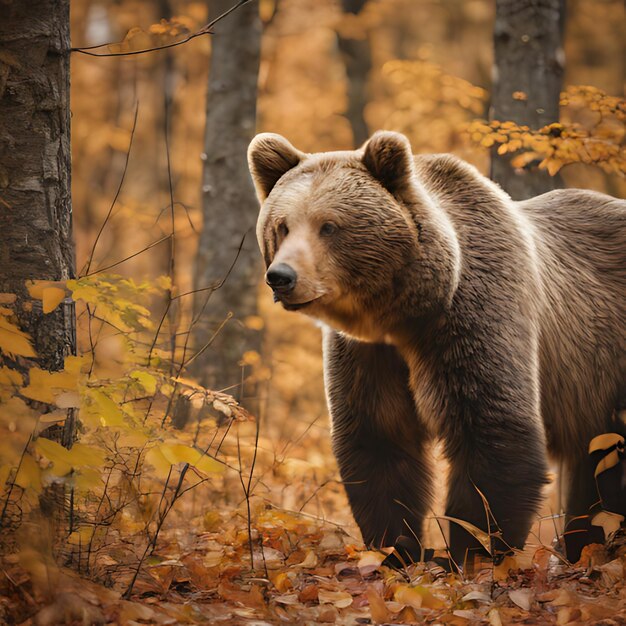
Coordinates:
[529,60]
[357,58]
[35,166]
[229,204]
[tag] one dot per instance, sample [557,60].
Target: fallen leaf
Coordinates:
[610,522]
[494,617]
[369,562]
[308,593]
[522,597]
[340,599]
[310,560]
[417,597]
[566,615]
[479,596]
[282,582]
[287,598]
[378,609]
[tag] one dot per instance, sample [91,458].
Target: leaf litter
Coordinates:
[306,572]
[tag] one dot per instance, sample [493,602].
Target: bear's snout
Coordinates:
[282,278]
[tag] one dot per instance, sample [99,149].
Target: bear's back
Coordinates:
[561,258]
[581,242]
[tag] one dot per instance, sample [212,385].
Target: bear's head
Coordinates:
[341,232]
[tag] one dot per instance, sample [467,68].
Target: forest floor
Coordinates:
[308,566]
[305,573]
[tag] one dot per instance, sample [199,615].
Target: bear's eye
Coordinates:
[283,231]
[328,228]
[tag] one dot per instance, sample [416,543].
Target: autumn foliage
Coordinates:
[598,139]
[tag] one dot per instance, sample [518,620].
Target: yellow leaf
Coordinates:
[164,282]
[10,377]
[29,474]
[44,386]
[378,609]
[13,341]
[106,409]
[133,438]
[552,165]
[63,460]
[146,380]
[88,480]
[521,160]
[56,454]
[601,442]
[281,580]
[52,297]
[81,455]
[36,288]
[157,459]
[417,597]
[179,453]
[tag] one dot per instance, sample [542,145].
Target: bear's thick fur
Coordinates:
[450,312]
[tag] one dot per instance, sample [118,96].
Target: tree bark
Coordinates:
[528,59]
[229,204]
[357,58]
[35,168]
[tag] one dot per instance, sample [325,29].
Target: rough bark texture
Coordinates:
[357,58]
[35,166]
[529,58]
[229,203]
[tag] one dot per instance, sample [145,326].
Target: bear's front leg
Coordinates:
[494,442]
[378,440]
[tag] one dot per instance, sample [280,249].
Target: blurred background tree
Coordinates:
[228,265]
[354,46]
[527,78]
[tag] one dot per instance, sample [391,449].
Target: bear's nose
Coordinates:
[281,278]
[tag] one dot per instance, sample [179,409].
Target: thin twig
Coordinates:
[205,30]
[117,193]
[108,267]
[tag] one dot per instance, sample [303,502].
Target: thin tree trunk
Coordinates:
[357,58]
[229,204]
[35,167]
[528,62]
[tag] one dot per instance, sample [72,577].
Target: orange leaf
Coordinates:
[378,609]
[52,297]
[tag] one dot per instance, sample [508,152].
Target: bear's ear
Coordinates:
[269,157]
[388,157]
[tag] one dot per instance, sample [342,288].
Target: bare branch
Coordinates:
[205,30]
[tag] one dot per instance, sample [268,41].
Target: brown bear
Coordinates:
[449,312]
